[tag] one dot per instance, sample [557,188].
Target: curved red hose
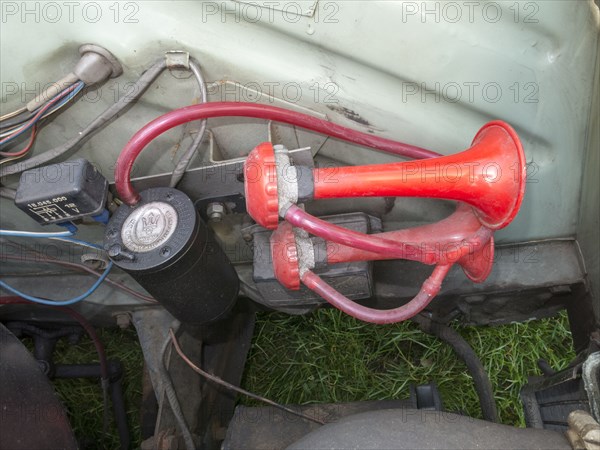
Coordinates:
[239,109]
[429,290]
[387,248]
[371,243]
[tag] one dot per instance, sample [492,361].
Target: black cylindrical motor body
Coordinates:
[167,248]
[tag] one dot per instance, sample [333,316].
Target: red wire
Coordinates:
[238,109]
[26,149]
[42,111]
[429,290]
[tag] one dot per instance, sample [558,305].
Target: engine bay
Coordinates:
[182,166]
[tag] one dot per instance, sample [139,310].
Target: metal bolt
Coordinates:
[117,252]
[215,211]
[165,251]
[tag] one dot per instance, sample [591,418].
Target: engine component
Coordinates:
[62,192]
[584,431]
[489,176]
[270,255]
[166,247]
[548,400]
[260,432]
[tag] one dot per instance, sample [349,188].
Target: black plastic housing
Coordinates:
[62,192]
[189,274]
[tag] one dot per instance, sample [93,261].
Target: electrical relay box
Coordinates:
[62,192]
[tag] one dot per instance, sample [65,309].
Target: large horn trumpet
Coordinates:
[489,176]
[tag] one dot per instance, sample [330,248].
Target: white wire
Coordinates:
[13,114]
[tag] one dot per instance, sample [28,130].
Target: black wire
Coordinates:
[482,382]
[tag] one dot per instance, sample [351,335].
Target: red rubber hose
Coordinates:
[428,291]
[238,109]
[389,247]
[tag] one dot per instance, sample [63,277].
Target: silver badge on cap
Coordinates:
[149,226]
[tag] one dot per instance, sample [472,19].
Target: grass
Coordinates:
[83,397]
[330,357]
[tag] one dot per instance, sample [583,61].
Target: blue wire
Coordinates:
[32,234]
[72,94]
[78,241]
[69,226]
[64,302]
[68,97]
[63,235]
[71,231]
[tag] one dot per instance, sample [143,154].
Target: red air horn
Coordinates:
[488,180]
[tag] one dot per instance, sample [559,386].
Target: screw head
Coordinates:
[165,252]
[114,250]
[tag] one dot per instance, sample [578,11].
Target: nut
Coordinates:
[215,211]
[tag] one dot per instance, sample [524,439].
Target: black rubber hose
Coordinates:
[482,382]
